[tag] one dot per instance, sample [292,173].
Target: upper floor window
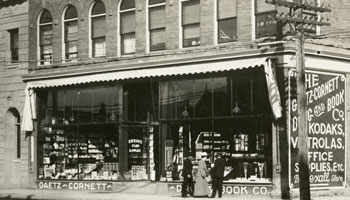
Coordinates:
[70,47]
[127,27]
[98,30]
[190,23]
[265,25]
[156,24]
[226,20]
[45,38]
[14,37]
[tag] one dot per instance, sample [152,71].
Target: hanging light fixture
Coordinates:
[236,109]
[185,113]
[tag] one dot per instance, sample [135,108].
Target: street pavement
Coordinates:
[16,194]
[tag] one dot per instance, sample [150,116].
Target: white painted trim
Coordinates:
[253,19]
[318,63]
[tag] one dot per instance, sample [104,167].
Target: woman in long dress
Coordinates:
[201,186]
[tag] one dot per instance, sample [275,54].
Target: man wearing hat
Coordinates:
[188,178]
[217,175]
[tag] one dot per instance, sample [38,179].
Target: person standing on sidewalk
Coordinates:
[201,186]
[188,178]
[217,174]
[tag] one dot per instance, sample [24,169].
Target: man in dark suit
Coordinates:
[188,179]
[217,175]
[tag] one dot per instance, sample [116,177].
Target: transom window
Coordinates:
[157,24]
[98,30]
[127,27]
[226,20]
[70,34]
[45,38]
[190,23]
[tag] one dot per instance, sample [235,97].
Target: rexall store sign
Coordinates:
[325,93]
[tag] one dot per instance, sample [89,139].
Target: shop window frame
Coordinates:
[219,21]
[53,128]
[266,13]
[14,45]
[93,41]
[161,4]
[44,58]
[195,26]
[130,35]
[66,52]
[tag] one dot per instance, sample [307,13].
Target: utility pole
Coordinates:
[303,17]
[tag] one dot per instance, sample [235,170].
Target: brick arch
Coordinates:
[65,3]
[39,8]
[108,5]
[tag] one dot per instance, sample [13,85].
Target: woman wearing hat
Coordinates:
[201,186]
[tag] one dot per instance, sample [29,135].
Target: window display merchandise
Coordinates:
[227,114]
[79,134]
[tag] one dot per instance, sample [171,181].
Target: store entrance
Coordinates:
[141,143]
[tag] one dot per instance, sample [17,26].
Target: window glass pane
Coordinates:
[99,47]
[99,8]
[14,37]
[71,30]
[202,97]
[46,35]
[191,35]
[71,50]
[221,98]
[71,106]
[127,22]
[128,43]
[155,17]
[262,6]
[85,105]
[114,107]
[226,9]
[158,39]
[184,95]
[98,27]
[167,101]
[227,30]
[265,25]
[58,106]
[99,104]
[151,2]
[71,13]
[127,4]
[45,17]
[47,49]
[190,12]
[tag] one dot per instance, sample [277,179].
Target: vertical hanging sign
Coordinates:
[325,93]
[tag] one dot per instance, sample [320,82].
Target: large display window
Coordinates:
[79,133]
[219,113]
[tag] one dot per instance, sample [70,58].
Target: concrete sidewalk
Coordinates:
[34,194]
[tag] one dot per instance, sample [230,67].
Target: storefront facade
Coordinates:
[108,104]
[142,128]
[95,131]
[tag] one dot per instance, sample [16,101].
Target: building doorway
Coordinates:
[12,149]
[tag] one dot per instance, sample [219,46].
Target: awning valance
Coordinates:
[133,73]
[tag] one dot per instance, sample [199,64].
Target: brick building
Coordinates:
[14,63]
[121,91]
